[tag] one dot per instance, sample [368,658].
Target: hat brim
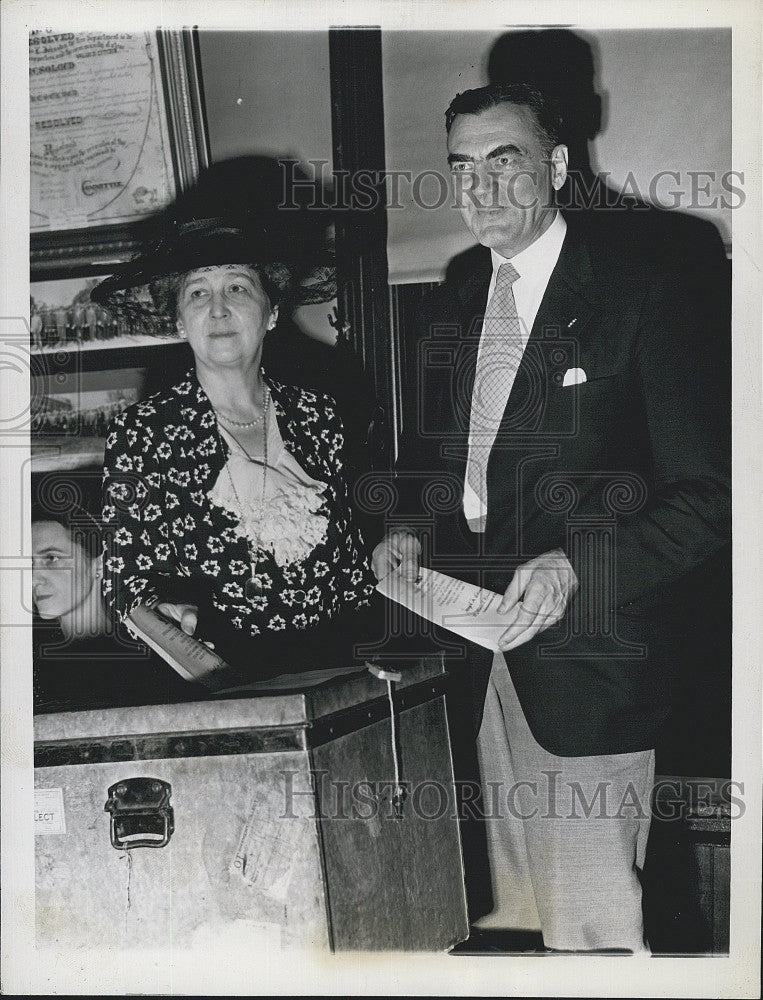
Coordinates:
[191,247]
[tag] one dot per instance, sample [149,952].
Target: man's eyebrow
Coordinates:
[51,548]
[508,147]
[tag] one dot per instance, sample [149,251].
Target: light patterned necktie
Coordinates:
[500,353]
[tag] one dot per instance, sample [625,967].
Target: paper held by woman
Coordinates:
[469,611]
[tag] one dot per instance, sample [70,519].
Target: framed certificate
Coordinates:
[117,131]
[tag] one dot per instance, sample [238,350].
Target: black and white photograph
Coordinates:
[63,318]
[381,498]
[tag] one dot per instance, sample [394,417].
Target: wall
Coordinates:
[267,93]
[666,98]
[666,106]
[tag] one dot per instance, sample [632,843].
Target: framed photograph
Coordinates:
[63,318]
[71,411]
[117,131]
[75,392]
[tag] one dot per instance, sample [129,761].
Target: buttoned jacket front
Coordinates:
[613,447]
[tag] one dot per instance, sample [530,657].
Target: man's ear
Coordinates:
[273,317]
[558,165]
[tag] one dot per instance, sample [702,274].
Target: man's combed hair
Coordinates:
[472,102]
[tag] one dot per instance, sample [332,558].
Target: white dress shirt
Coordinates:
[534,265]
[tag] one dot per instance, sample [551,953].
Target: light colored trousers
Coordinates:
[565,834]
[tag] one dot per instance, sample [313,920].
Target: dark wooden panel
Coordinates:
[433,875]
[687,873]
[357,123]
[710,866]
[392,883]
[721,899]
[405,301]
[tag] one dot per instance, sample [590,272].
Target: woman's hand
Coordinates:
[186,614]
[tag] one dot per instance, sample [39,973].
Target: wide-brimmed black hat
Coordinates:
[186,245]
[140,290]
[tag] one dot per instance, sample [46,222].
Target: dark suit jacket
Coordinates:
[627,472]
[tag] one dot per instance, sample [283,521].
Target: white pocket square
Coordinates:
[574,376]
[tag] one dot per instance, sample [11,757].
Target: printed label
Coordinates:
[49,811]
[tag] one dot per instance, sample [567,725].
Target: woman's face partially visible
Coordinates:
[62,574]
[224,314]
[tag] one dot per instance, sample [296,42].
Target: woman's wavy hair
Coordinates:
[82,527]
[276,281]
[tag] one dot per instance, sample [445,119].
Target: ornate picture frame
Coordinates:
[169,106]
[147,109]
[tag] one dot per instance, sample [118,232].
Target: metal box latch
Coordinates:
[141,814]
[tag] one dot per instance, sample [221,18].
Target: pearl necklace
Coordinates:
[244,424]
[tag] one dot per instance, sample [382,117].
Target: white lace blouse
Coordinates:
[284,520]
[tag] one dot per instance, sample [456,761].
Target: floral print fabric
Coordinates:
[163,459]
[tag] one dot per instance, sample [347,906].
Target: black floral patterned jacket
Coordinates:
[163,456]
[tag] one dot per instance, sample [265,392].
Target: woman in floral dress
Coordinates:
[225,494]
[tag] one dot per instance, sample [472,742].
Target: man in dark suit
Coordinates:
[563,399]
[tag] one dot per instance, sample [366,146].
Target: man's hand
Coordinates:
[186,614]
[400,548]
[537,597]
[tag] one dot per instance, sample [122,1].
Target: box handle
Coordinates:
[141,814]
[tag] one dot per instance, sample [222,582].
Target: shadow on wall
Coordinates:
[563,65]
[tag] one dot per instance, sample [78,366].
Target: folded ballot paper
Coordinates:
[460,607]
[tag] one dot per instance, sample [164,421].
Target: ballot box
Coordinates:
[273,816]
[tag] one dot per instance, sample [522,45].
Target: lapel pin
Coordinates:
[572,322]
